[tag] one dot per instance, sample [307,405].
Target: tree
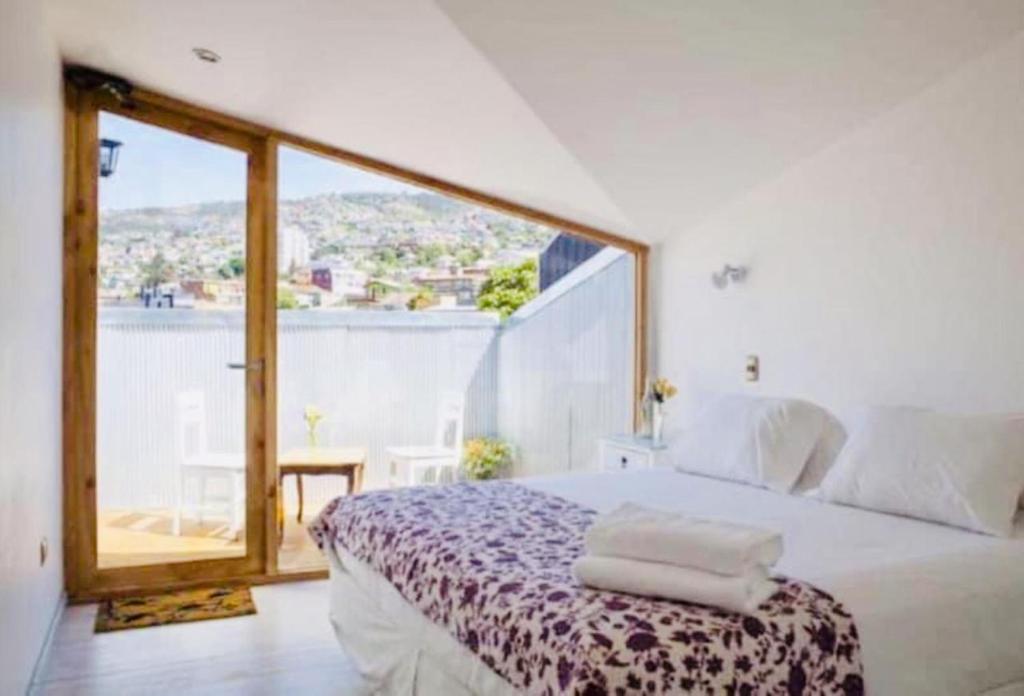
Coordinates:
[157,271]
[428,254]
[377,289]
[386,256]
[234,268]
[468,255]
[508,288]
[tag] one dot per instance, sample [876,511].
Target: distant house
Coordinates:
[481,270]
[564,253]
[379,292]
[322,277]
[462,286]
[221,292]
[310,296]
[347,281]
[337,278]
[198,289]
[292,249]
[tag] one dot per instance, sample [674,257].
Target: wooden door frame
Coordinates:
[83,579]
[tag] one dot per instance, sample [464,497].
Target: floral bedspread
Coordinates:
[491,564]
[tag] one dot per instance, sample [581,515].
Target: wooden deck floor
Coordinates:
[143,537]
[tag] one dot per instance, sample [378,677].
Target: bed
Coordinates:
[939,610]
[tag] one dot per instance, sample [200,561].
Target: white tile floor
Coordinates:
[288,647]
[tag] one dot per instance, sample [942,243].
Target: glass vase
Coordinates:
[657,421]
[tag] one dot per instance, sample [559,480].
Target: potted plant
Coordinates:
[485,458]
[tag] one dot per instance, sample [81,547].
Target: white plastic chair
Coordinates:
[437,463]
[197,463]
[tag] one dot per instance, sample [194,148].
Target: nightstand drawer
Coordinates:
[620,458]
[628,453]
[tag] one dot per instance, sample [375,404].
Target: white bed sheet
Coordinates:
[939,610]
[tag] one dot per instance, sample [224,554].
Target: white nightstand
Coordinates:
[626,452]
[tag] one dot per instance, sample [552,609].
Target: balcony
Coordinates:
[550,380]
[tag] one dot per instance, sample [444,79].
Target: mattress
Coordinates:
[939,610]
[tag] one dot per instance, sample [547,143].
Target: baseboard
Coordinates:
[51,631]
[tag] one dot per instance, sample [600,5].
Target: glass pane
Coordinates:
[170,414]
[416,330]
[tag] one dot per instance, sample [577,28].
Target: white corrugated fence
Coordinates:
[553,378]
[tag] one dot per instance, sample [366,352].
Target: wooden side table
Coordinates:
[317,461]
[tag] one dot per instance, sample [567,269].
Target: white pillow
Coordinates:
[760,441]
[966,471]
[824,454]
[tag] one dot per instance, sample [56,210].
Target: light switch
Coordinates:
[753,370]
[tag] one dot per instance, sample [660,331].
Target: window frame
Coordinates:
[82,577]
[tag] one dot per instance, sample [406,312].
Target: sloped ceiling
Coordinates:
[392,79]
[675,108]
[638,117]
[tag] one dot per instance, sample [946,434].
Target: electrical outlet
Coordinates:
[753,369]
[44,550]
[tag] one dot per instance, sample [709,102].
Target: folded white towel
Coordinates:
[739,593]
[639,533]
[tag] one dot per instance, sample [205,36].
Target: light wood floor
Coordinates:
[288,647]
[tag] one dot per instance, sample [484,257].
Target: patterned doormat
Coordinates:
[174,607]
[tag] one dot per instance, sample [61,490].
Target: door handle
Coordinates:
[254,365]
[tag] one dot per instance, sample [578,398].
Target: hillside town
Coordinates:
[394,251]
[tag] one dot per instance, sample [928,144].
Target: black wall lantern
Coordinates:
[108,156]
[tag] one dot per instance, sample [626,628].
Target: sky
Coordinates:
[159,168]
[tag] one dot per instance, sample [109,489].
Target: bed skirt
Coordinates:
[397,651]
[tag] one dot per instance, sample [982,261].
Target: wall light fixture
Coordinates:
[728,274]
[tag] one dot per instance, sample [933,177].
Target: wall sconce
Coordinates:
[108,156]
[728,274]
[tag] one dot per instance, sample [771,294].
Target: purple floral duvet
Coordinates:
[491,564]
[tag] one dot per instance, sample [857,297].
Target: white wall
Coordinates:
[30,337]
[887,268]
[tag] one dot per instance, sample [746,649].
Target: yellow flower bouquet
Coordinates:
[313,416]
[660,391]
[663,390]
